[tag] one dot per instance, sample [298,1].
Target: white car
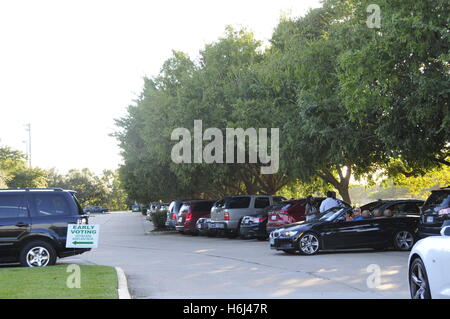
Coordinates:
[429,267]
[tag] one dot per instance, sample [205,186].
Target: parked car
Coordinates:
[172,213]
[227,213]
[33,225]
[136,208]
[435,212]
[256,226]
[190,212]
[290,212]
[429,262]
[96,209]
[332,231]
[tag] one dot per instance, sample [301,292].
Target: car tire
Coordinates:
[309,244]
[418,280]
[37,254]
[404,240]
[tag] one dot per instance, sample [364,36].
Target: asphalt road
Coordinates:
[172,265]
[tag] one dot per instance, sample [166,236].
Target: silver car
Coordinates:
[226,213]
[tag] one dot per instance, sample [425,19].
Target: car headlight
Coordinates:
[290,233]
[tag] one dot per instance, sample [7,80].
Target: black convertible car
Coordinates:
[332,231]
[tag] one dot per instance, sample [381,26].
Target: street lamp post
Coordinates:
[28,129]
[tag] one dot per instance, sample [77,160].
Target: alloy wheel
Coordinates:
[38,257]
[309,244]
[418,282]
[404,240]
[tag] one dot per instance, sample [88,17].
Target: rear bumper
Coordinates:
[252,231]
[427,231]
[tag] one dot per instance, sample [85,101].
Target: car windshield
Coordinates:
[436,202]
[332,213]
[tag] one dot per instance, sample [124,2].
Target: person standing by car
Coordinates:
[311,210]
[329,202]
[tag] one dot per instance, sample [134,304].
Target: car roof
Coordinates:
[40,190]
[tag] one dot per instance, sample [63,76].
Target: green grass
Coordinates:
[97,282]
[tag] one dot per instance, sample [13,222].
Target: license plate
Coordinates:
[217,226]
[430,220]
[180,219]
[272,241]
[273,217]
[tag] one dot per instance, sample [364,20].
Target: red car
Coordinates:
[190,212]
[290,211]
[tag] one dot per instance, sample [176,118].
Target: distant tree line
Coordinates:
[92,190]
[351,102]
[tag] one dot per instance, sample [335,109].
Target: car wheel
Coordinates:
[309,244]
[404,240]
[418,280]
[37,254]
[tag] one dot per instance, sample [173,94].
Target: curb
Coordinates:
[122,286]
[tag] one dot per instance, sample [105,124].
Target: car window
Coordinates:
[184,208]
[436,202]
[203,206]
[332,213]
[237,202]
[51,205]
[405,209]
[278,199]
[262,202]
[286,206]
[12,206]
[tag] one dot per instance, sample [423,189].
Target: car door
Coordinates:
[260,204]
[349,234]
[14,221]
[51,213]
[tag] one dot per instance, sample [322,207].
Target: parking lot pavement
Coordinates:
[172,265]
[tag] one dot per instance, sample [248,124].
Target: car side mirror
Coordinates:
[445,231]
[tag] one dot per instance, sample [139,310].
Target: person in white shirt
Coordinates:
[329,202]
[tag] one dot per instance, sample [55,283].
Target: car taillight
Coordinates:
[174,216]
[445,211]
[261,219]
[283,212]
[226,216]
[188,216]
[81,221]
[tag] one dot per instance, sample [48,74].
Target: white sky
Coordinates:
[70,67]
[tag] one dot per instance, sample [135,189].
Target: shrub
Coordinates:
[159,219]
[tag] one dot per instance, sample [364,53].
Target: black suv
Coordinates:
[435,212]
[33,225]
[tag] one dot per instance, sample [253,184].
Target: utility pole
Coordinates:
[28,129]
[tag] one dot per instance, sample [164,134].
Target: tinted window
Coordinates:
[286,206]
[51,205]
[203,206]
[278,199]
[436,202]
[12,206]
[237,202]
[262,202]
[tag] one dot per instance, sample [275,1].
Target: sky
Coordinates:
[69,68]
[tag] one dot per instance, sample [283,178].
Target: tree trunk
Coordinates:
[341,184]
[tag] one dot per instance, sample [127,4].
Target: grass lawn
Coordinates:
[97,282]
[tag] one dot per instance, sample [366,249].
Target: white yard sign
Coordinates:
[82,236]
